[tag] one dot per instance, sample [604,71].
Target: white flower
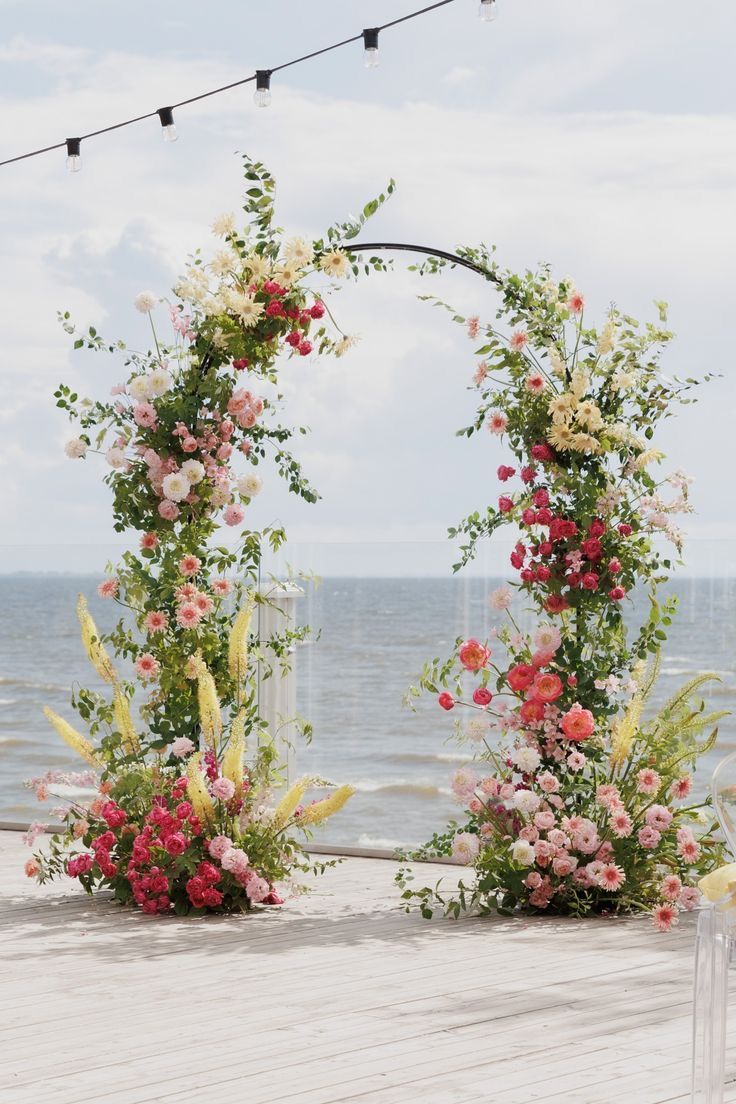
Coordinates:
[115,457]
[607,338]
[76,448]
[176,486]
[334,263]
[159,382]
[522,852]
[139,388]
[249,485]
[258,265]
[500,598]
[287,275]
[622,380]
[145,302]
[477,729]
[219,337]
[223,225]
[465,847]
[526,801]
[579,383]
[248,310]
[181,746]
[299,252]
[193,471]
[547,638]
[225,261]
[526,759]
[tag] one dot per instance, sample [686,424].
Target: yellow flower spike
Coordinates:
[289,802]
[237,651]
[124,721]
[625,729]
[197,791]
[321,810]
[74,739]
[210,714]
[98,657]
[232,760]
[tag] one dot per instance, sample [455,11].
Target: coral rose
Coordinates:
[547,687]
[473,655]
[578,723]
[520,677]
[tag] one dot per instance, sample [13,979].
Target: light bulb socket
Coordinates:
[370,38]
[73,157]
[263,80]
[168,127]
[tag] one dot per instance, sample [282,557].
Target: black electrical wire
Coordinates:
[226,87]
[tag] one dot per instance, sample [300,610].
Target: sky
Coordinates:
[598,137]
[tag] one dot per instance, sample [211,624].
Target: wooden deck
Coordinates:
[337,997]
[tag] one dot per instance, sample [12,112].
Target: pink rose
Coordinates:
[234,514]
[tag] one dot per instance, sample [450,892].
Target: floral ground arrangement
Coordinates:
[181,768]
[577,799]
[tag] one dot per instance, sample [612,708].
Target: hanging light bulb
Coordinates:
[168,127]
[262,94]
[73,157]
[487,10]
[370,43]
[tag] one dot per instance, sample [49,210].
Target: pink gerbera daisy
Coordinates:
[108,588]
[535,383]
[648,781]
[611,877]
[620,822]
[473,325]
[681,787]
[689,898]
[204,603]
[189,565]
[185,592]
[221,586]
[518,340]
[156,621]
[149,540]
[497,422]
[575,303]
[188,615]
[665,917]
[671,887]
[147,666]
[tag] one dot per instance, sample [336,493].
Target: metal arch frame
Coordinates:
[453,258]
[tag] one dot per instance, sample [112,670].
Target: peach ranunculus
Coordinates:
[578,723]
[473,655]
[547,687]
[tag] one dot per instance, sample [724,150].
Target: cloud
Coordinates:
[635,204]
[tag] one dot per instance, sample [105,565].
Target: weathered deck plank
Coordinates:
[338,997]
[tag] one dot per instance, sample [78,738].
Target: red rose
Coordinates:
[531,711]
[176,844]
[543,453]
[596,528]
[527,474]
[544,516]
[505,472]
[590,580]
[541,497]
[625,530]
[520,677]
[617,593]
[317,310]
[446,700]
[555,604]
[543,573]
[592,548]
[529,516]
[517,559]
[505,504]
[482,696]
[614,566]
[547,687]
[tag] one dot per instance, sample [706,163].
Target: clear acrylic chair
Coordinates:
[716,938]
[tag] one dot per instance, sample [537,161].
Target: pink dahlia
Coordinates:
[147,666]
[189,565]
[671,887]
[108,588]
[681,787]
[665,917]
[188,615]
[518,340]
[220,587]
[497,422]
[156,621]
[611,877]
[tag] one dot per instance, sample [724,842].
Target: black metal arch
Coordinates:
[355,247]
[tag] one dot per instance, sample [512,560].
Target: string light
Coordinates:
[370,42]
[262,94]
[168,128]
[262,97]
[487,10]
[73,156]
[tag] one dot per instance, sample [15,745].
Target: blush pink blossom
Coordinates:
[648,837]
[218,845]
[578,724]
[620,822]
[149,540]
[671,887]
[658,817]
[648,781]
[576,760]
[665,917]
[473,327]
[689,898]
[144,415]
[147,666]
[611,877]
[156,621]
[681,787]
[181,747]
[223,789]
[188,616]
[257,889]
[518,340]
[108,588]
[535,383]
[234,514]
[497,422]
[169,511]
[221,587]
[189,565]
[689,850]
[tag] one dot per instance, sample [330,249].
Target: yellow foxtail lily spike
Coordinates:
[237,652]
[289,802]
[232,760]
[210,714]
[321,810]
[124,721]
[624,731]
[197,791]
[94,648]
[74,739]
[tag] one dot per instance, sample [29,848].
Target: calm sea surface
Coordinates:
[375,635]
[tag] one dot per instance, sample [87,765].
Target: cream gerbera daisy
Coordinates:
[584,442]
[225,261]
[589,415]
[299,252]
[558,364]
[561,407]
[257,265]
[560,437]
[287,275]
[248,311]
[223,225]
[334,263]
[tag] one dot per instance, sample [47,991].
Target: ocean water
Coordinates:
[374,636]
